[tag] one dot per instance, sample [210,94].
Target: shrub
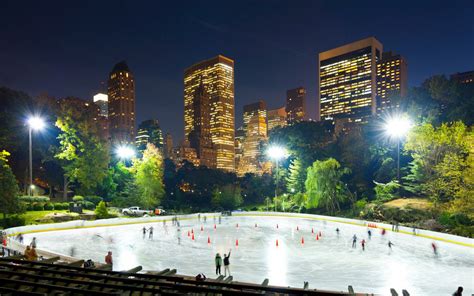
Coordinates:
[38,206]
[48,206]
[88,205]
[29,207]
[93,199]
[32,199]
[78,199]
[58,206]
[101,211]
[447,220]
[13,221]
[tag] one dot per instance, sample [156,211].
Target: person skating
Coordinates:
[369,232]
[435,248]
[458,291]
[150,236]
[144,232]
[218,261]
[337,231]
[226,264]
[390,244]
[363,244]
[33,243]
[354,241]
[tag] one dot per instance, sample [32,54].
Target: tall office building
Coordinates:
[121,93]
[295,105]
[275,118]
[392,80]
[209,85]
[348,80]
[101,100]
[168,146]
[255,129]
[149,131]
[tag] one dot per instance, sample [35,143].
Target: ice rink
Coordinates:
[327,263]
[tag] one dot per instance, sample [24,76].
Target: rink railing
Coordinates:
[80,224]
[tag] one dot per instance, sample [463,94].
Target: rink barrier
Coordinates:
[83,224]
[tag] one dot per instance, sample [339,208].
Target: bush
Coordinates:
[88,205]
[38,206]
[13,221]
[78,199]
[101,211]
[29,207]
[48,206]
[93,199]
[33,199]
[58,206]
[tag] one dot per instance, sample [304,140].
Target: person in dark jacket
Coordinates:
[218,261]
[226,264]
[458,291]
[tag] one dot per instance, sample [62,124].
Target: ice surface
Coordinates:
[328,263]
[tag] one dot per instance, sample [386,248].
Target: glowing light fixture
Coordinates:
[125,152]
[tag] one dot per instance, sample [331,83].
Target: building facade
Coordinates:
[275,118]
[149,131]
[101,100]
[121,96]
[392,81]
[295,105]
[255,132]
[209,89]
[168,146]
[348,80]
[464,77]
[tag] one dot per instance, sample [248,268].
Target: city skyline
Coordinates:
[39,68]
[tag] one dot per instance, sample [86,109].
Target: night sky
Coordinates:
[66,48]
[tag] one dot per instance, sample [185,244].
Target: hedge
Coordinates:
[38,206]
[32,199]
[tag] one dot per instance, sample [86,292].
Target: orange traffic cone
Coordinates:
[192,237]
[189,234]
[236,242]
[214,226]
[317,237]
[208,240]
[277,243]
[302,240]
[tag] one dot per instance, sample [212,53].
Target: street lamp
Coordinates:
[396,128]
[125,152]
[34,123]
[277,153]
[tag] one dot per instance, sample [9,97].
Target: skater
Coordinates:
[369,232]
[164,222]
[383,231]
[199,217]
[414,231]
[354,241]
[226,264]
[337,231]
[390,244]
[218,260]
[363,244]
[144,232]
[219,219]
[33,243]
[458,291]
[397,225]
[108,258]
[150,235]
[435,248]
[205,219]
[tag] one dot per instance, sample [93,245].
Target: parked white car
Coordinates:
[136,211]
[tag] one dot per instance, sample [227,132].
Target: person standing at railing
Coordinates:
[218,261]
[227,264]
[108,258]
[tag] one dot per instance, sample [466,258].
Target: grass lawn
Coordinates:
[414,203]
[32,216]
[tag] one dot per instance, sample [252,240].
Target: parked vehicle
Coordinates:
[136,211]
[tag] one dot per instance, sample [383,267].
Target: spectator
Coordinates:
[458,291]
[108,258]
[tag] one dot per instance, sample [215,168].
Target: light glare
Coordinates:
[125,152]
[397,127]
[36,123]
[276,152]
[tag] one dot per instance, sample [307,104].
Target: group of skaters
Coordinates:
[395,228]
[218,260]
[149,230]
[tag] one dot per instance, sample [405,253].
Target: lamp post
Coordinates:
[34,123]
[397,127]
[277,153]
[125,152]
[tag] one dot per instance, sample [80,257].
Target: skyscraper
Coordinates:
[392,80]
[149,131]
[101,100]
[121,92]
[464,77]
[348,80]
[209,87]
[255,129]
[295,105]
[276,117]
[168,146]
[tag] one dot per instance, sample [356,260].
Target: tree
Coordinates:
[227,197]
[83,156]
[296,177]
[149,176]
[385,192]
[101,211]
[9,203]
[439,159]
[324,187]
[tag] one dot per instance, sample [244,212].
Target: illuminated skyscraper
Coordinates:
[255,129]
[149,131]
[295,105]
[348,80]
[276,117]
[392,80]
[209,87]
[121,92]
[168,146]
